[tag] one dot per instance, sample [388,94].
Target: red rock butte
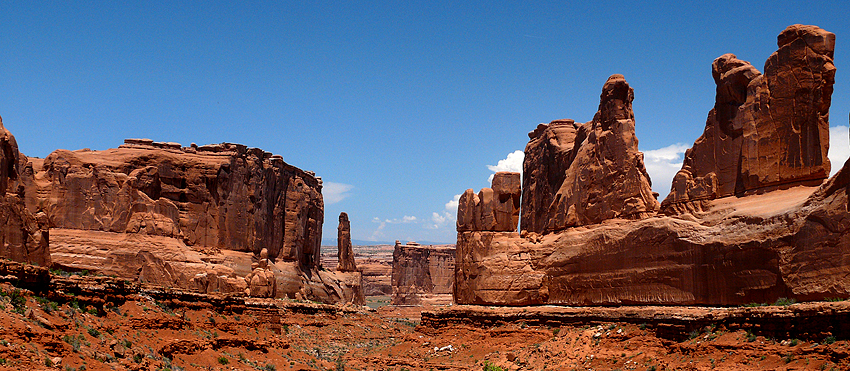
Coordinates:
[751,216]
[213,218]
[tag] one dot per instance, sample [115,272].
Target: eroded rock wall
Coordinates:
[223,196]
[765,130]
[23,234]
[422,274]
[492,209]
[583,174]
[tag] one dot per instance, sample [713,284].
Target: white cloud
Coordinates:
[335,192]
[839,147]
[404,220]
[452,204]
[513,162]
[379,232]
[662,165]
[440,220]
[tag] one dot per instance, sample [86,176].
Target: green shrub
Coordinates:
[784,302]
[223,360]
[491,367]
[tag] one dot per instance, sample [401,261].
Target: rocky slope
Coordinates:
[422,274]
[781,237]
[104,323]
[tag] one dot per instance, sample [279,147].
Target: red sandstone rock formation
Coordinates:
[224,196]
[23,235]
[584,174]
[788,240]
[492,209]
[187,217]
[422,274]
[768,130]
[345,255]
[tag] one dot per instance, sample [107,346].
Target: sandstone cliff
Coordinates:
[225,196]
[781,233]
[422,274]
[214,218]
[583,174]
[23,235]
[768,130]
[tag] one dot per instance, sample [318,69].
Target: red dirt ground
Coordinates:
[144,334]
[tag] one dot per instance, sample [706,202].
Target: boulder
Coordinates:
[345,254]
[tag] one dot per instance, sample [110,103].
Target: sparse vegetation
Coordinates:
[491,367]
[784,302]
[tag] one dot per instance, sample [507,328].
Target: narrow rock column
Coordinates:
[345,254]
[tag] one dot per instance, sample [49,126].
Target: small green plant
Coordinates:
[491,367]
[794,342]
[47,305]
[137,358]
[642,326]
[18,300]
[693,335]
[93,332]
[829,339]
[555,331]
[48,362]
[788,358]
[223,360]
[784,302]
[834,299]
[270,367]
[751,337]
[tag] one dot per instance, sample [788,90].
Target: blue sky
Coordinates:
[398,106]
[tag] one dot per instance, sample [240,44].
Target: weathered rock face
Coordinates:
[786,243]
[768,130]
[422,274]
[583,174]
[23,235]
[492,209]
[223,196]
[781,238]
[345,254]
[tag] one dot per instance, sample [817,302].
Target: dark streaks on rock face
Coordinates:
[422,274]
[765,131]
[223,196]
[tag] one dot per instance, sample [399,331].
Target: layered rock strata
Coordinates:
[24,234]
[422,274]
[583,174]
[781,237]
[214,218]
[225,196]
[345,255]
[765,130]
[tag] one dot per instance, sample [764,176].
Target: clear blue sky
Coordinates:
[402,104]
